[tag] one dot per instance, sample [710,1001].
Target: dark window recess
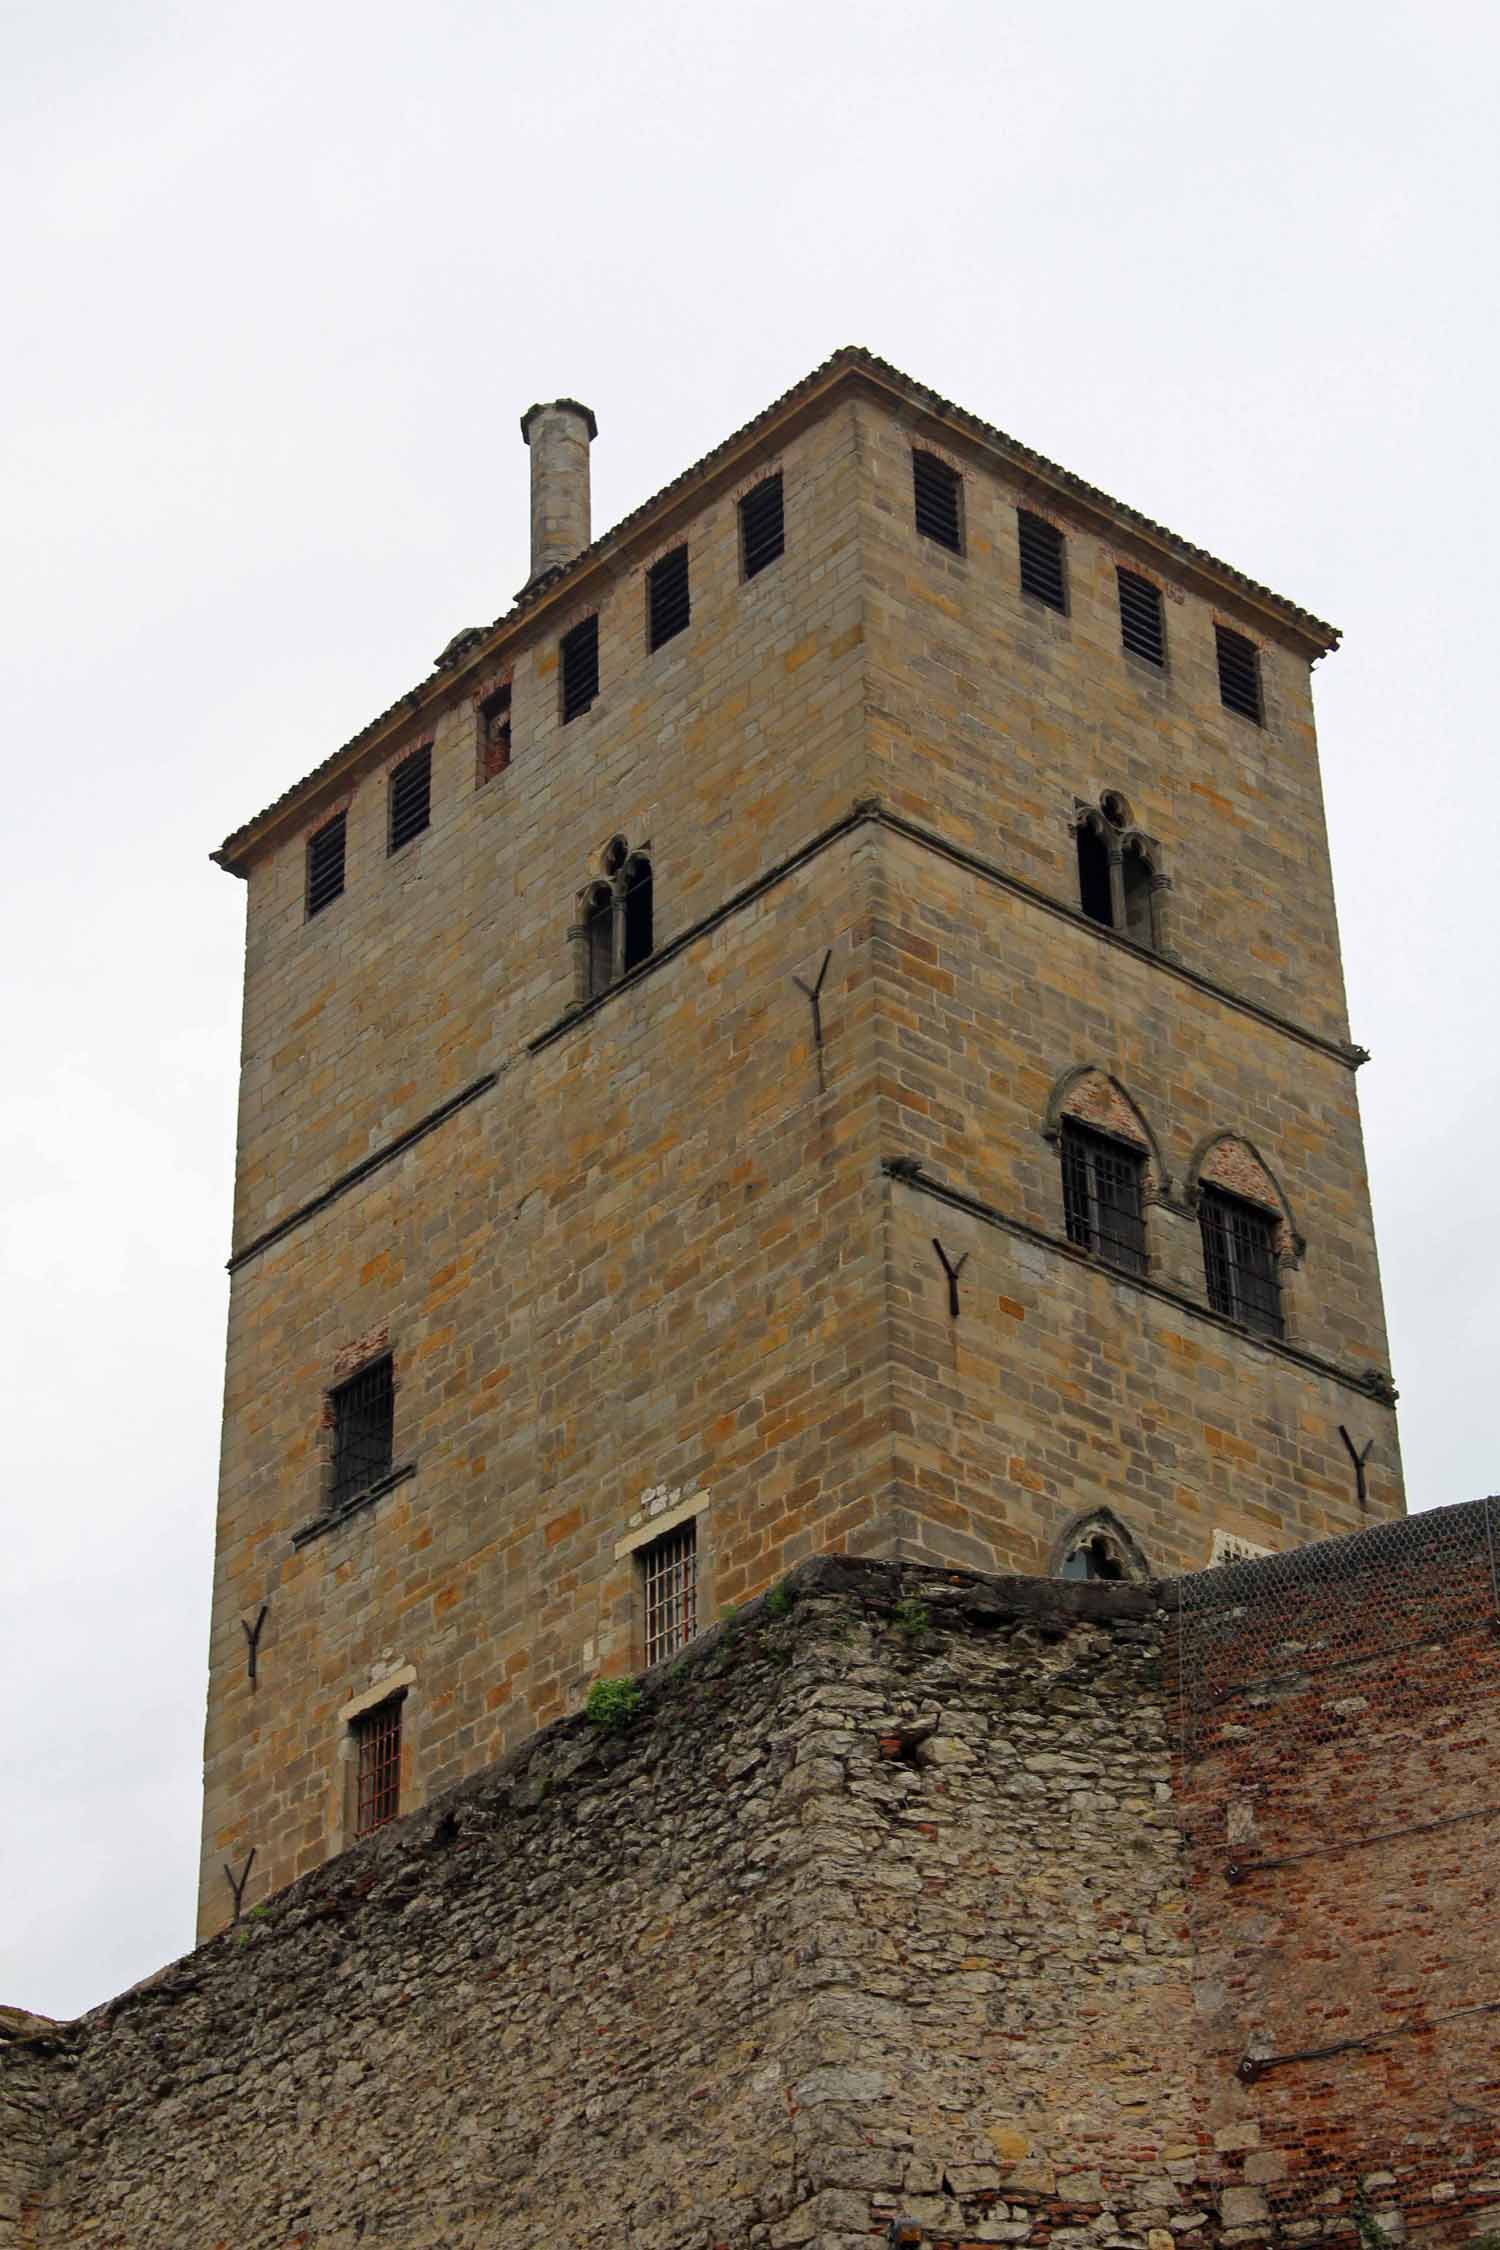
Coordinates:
[762,528]
[669,1569]
[378,1735]
[364,1412]
[1239,674]
[411,798]
[1239,1260]
[1094,894]
[1142,621]
[1102,1197]
[580,668]
[1096,1558]
[637,903]
[325,865]
[1138,882]
[599,939]
[1041,545]
[936,488]
[668,603]
[494,732]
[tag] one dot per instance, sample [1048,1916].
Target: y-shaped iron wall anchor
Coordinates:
[814,993]
[953,1273]
[237,1885]
[252,1640]
[1359,1460]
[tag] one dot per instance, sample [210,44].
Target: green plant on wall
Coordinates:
[911,1620]
[612,1704]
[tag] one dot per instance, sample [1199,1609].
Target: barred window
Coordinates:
[668,598]
[762,527]
[364,1412]
[494,732]
[377,1736]
[1239,674]
[1102,1196]
[1239,1260]
[325,865]
[669,1578]
[1041,546]
[410,806]
[579,652]
[936,490]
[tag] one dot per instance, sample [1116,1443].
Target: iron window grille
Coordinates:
[410,798]
[1102,1197]
[1041,548]
[377,1735]
[364,1417]
[1143,628]
[762,527]
[1239,1260]
[1239,674]
[325,865]
[668,598]
[936,490]
[580,668]
[494,732]
[669,1574]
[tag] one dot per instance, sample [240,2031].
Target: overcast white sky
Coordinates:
[277,285]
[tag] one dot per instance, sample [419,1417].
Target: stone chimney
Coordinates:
[559,436]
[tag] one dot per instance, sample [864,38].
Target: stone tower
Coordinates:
[822,1028]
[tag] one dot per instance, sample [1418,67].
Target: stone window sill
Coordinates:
[330,1520]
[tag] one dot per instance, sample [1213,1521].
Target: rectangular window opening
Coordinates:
[494,732]
[364,1411]
[580,668]
[669,1575]
[325,865]
[1142,620]
[1239,1261]
[936,489]
[1102,1197]
[377,1736]
[1041,545]
[1239,674]
[410,809]
[762,527]
[668,602]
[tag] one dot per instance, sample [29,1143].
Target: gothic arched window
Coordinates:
[1118,876]
[636,907]
[615,930]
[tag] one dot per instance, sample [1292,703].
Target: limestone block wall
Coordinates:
[904,1900]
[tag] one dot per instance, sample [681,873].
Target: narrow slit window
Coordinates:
[1239,674]
[668,598]
[1041,549]
[1143,628]
[364,1412]
[1102,1197]
[669,1573]
[494,732]
[1094,892]
[1239,1260]
[637,912]
[580,668]
[325,865]
[936,489]
[1138,881]
[377,1737]
[410,798]
[762,527]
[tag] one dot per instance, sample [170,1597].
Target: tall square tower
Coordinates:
[821,1028]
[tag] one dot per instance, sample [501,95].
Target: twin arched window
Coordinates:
[615,930]
[1118,879]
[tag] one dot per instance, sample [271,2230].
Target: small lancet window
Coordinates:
[636,895]
[616,929]
[599,939]
[1097,1558]
[1094,889]
[1138,882]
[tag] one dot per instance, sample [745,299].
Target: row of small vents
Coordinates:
[938,490]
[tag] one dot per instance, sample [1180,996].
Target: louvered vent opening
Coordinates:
[668,606]
[1239,674]
[325,865]
[762,530]
[494,732]
[411,797]
[580,668]
[1142,623]
[936,489]
[1042,560]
